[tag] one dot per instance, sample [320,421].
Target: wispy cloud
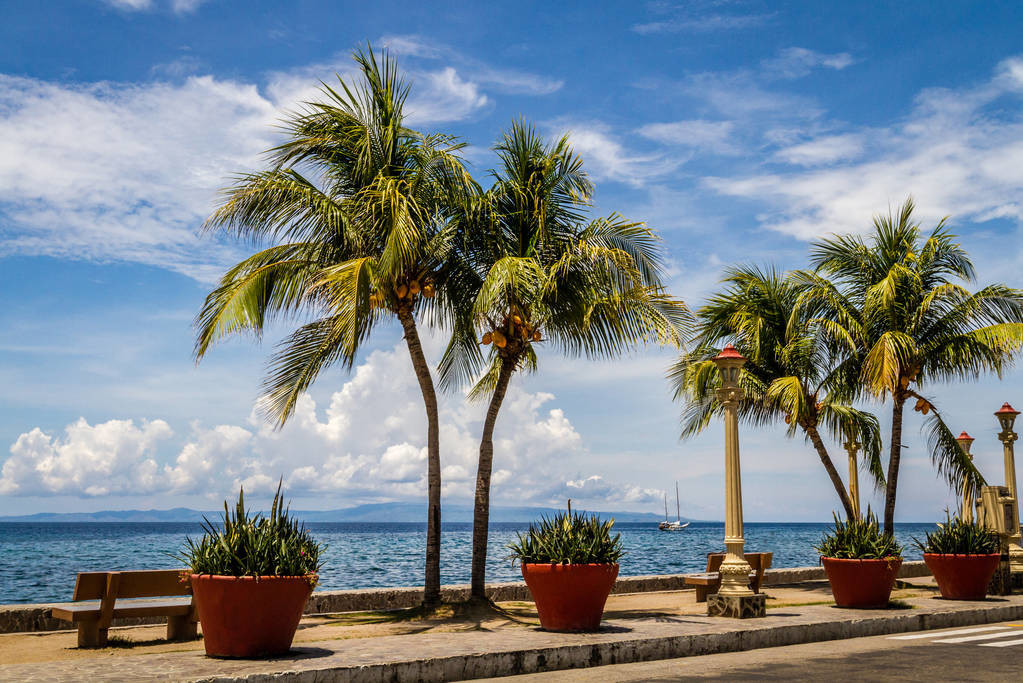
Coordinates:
[797,62]
[959,153]
[607,157]
[700,134]
[128,171]
[176,6]
[701,16]
[500,79]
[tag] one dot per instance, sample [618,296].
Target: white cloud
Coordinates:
[447,97]
[606,157]
[134,5]
[501,79]
[367,444]
[184,6]
[700,16]
[177,6]
[128,172]
[796,62]
[826,149]
[115,457]
[699,134]
[959,153]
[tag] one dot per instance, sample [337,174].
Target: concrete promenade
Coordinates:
[638,627]
[35,617]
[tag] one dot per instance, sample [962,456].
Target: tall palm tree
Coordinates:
[896,302]
[353,205]
[542,273]
[788,374]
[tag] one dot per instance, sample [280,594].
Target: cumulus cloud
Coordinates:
[367,443]
[114,457]
[959,152]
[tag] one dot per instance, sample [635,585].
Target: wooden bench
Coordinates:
[710,581]
[93,619]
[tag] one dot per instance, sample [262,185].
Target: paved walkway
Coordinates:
[485,652]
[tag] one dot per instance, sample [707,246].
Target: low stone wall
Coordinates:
[20,618]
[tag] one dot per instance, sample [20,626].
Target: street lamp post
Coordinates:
[851,447]
[734,598]
[1006,419]
[966,509]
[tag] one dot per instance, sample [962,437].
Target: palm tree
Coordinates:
[541,273]
[362,241]
[896,303]
[788,373]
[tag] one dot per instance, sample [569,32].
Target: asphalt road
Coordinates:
[978,653]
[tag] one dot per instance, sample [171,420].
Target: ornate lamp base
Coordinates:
[737,606]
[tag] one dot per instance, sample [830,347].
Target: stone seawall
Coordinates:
[21,618]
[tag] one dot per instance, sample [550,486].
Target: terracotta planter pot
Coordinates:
[246,617]
[861,583]
[962,577]
[570,597]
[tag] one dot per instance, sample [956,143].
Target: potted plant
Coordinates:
[570,563]
[250,579]
[860,561]
[963,556]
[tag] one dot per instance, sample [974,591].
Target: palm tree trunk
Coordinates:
[898,402]
[431,593]
[836,479]
[481,508]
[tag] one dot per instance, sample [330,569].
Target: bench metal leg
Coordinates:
[91,635]
[181,628]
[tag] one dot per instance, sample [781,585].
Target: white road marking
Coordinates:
[1004,643]
[962,631]
[986,636]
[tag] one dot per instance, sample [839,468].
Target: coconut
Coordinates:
[487,338]
[536,336]
[413,287]
[499,340]
[401,291]
[428,291]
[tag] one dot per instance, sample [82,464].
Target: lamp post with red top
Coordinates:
[1006,418]
[734,598]
[966,509]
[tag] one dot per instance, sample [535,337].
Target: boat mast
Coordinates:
[665,507]
[678,507]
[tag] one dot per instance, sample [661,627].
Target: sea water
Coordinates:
[39,561]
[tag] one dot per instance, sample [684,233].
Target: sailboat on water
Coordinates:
[677,525]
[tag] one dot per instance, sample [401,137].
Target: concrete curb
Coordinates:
[495,664]
[25,618]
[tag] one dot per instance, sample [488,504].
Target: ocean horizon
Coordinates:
[39,560]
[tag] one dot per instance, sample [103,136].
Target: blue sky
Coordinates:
[739,130]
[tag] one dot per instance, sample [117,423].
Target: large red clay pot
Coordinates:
[570,597]
[962,577]
[861,583]
[248,617]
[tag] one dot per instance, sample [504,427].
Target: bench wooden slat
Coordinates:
[132,584]
[90,611]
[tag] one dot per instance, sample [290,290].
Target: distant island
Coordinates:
[374,512]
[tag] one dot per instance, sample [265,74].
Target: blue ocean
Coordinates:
[38,561]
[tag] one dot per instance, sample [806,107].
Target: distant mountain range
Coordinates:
[374,512]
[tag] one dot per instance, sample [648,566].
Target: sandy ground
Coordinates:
[17,648]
